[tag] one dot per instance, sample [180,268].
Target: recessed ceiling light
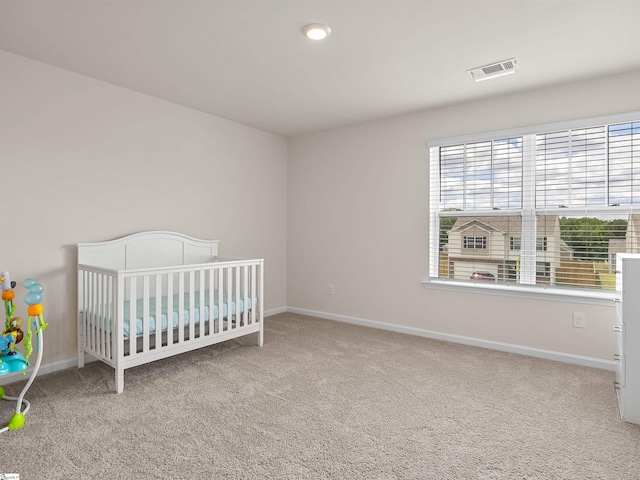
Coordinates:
[494,70]
[316,31]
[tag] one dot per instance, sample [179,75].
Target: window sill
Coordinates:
[536,293]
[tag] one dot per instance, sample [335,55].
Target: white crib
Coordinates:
[153,295]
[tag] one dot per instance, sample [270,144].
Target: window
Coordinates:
[545,206]
[475,241]
[541,243]
[542,269]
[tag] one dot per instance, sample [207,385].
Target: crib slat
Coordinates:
[85,308]
[235,295]
[92,310]
[211,303]
[169,309]
[253,293]
[88,312]
[109,319]
[94,315]
[192,302]
[229,298]
[118,328]
[132,317]
[106,314]
[106,280]
[245,287]
[202,290]
[260,296]
[100,313]
[145,313]
[181,307]
[220,300]
[95,342]
[101,301]
[158,313]
[99,310]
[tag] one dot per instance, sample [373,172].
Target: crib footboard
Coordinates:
[132,317]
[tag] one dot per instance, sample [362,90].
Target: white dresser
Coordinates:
[627,331]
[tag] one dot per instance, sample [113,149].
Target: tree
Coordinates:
[446,224]
[589,236]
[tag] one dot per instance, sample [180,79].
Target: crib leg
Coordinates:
[80,345]
[261,337]
[119,380]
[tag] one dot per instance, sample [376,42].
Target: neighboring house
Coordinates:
[492,244]
[632,243]
[617,245]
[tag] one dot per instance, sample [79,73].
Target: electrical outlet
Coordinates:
[330,289]
[579,320]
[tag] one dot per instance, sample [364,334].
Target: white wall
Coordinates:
[83,161]
[358,218]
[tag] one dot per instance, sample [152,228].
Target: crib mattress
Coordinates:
[164,320]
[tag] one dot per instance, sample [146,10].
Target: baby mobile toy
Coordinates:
[11,360]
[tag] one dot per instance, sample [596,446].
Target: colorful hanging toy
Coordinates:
[11,360]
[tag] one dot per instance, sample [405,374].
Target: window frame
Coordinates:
[528,212]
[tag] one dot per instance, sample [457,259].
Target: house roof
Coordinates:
[546,224]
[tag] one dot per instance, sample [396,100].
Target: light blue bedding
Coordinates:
[175,315]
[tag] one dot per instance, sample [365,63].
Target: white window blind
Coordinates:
[549,208]
[481,176]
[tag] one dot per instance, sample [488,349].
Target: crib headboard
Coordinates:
[147,250]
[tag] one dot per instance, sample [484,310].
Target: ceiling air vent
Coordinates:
[505,67]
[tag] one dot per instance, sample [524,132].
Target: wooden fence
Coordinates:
[577,273]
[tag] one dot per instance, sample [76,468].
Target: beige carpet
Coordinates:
[325,400]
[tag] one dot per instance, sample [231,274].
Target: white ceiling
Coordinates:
[246,60]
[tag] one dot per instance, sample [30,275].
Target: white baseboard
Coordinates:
[476,342]
[275,311]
